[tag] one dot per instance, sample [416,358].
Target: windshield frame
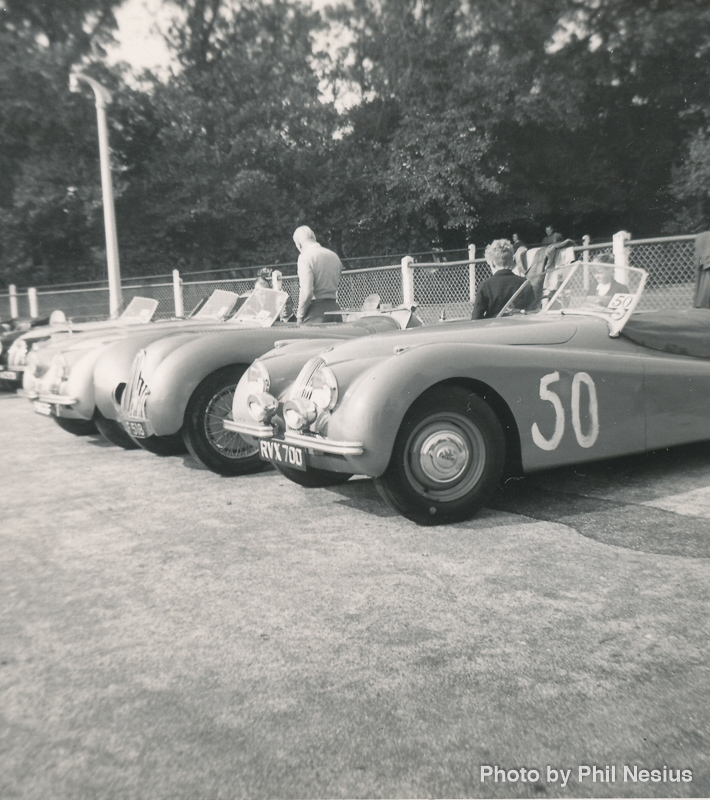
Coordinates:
[616,313]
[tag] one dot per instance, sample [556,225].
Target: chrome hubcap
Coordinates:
[444,456]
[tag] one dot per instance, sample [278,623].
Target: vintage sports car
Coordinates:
[139,311]
[438,415]
[59,374]
[11,330]
[181,387]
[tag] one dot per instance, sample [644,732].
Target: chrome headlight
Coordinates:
[32,363]
[59,367]
[324,389]
[258,378]
[57,374]
[299,413]
[262,406]
[17,354]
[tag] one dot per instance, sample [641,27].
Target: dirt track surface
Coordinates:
[167,633]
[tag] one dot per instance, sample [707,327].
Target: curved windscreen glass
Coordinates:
[584,287]
[261,309]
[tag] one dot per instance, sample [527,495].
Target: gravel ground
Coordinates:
[167,633]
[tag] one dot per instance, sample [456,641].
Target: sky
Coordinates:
[140,42]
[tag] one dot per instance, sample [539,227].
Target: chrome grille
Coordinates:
[302,384]
[137,391]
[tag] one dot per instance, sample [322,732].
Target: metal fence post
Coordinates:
[621,255]
[586,241]
[14,313]
[177,294]
[32,297]
[407,281]
[472,272]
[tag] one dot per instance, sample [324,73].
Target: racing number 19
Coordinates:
[583,439]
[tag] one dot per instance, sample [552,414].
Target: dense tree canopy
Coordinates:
[387,125]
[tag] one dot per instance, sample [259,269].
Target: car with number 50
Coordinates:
[577,372]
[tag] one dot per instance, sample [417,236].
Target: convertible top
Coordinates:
[681,332]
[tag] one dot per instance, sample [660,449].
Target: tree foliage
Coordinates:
[387,125]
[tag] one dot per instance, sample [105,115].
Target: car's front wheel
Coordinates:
[448,458]
[220,450]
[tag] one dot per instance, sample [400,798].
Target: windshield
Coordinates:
[218,306]
[261,308]
[140,309]
[590,288]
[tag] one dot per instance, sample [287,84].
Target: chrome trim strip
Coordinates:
[249,428]
[310,442]
[57,399]
[321,445]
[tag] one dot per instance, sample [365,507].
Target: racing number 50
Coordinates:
[583,439]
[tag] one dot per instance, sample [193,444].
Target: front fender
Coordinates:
[376,399]
[176,377]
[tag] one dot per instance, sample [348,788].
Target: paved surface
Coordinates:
[167,633]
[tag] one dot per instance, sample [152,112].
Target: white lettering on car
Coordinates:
[583,439]
[588,439]
[546,394]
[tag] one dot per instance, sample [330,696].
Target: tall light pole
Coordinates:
[103,98]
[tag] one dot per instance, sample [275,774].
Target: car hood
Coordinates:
[519,330]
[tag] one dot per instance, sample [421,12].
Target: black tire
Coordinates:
[113,432]
[172,445]
[221,451]
[77,427]
[314,478]
[465,444]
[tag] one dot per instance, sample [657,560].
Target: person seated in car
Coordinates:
[496,291]
[606,285]
[287,314]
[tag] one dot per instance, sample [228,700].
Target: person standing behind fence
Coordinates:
[263,279]
[318,278]
[551,236]
[521,255]
[494,292]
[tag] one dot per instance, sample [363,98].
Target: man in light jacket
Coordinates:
[318,278]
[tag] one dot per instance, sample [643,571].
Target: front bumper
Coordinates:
[310,441]
[56,399]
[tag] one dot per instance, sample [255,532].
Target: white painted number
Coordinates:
[584,439]
[588,439]
[551,397]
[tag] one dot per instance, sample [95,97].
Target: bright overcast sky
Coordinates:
[140,41]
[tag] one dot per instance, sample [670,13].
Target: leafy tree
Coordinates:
[48,206]
[241,134]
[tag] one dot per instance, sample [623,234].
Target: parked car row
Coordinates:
[438,415]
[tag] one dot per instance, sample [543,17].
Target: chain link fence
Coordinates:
[442,283]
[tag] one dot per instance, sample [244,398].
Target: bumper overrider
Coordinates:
[311,441]
[281,445]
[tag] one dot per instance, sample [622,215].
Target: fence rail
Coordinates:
[442,283]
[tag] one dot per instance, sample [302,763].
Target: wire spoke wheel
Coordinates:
[209,443]
[227,443]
